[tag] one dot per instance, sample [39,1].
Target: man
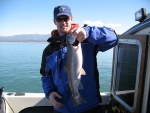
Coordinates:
[54,78]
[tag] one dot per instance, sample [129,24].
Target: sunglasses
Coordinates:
[65,19]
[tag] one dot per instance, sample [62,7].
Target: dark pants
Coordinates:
[94,110]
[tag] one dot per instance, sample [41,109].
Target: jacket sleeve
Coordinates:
[47,79]
[43,64]
[103,36]
[47,84]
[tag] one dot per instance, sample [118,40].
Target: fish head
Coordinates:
[70,38]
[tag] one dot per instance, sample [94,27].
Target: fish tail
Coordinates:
[79,100]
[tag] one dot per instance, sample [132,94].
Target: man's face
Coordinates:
[63,24]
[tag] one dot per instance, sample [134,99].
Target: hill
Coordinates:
[25,38]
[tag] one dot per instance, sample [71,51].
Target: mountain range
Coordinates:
[25,38]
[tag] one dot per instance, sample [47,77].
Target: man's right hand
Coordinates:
[53,100]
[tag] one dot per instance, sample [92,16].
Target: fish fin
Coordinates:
[82,72]
[78,100]
[80,85]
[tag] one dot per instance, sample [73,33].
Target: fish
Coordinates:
[74,69]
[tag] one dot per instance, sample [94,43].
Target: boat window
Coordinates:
[127,73]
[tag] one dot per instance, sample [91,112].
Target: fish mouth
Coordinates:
[71,38]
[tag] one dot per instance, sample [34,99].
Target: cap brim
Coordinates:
[60,14]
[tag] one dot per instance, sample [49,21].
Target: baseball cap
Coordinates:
[62,10]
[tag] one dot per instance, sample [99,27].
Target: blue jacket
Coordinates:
[55,78]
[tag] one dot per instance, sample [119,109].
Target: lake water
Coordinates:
[20,64]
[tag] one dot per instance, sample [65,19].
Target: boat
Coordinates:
[130,83]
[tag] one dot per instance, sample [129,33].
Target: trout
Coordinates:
[74,69]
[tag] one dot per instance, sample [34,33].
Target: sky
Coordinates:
[36,16]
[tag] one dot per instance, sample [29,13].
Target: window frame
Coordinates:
[127,41]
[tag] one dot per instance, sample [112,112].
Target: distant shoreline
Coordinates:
[24,42]
[25,38]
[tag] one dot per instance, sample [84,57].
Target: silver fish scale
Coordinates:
[73,68]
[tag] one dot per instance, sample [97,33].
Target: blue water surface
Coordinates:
[20,64]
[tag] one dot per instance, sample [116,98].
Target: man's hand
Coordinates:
[79,33]
[53,100]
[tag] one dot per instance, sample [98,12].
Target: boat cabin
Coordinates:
[130,89]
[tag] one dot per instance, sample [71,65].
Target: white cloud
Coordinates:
[93,23]
[99,23]
[117,27]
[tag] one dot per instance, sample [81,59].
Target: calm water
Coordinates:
[20,65]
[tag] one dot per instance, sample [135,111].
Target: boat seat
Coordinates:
[38,109]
